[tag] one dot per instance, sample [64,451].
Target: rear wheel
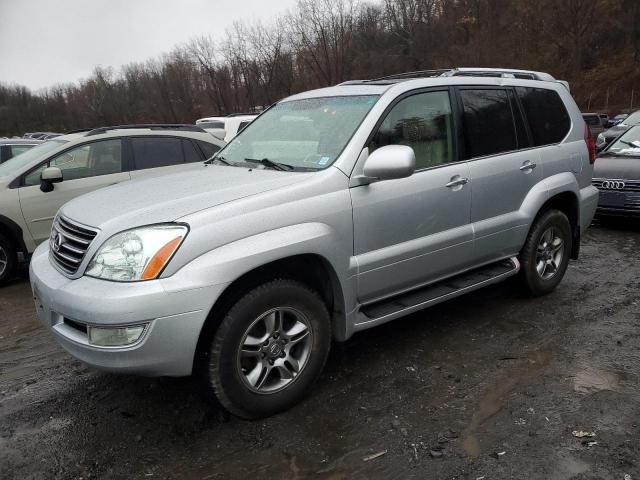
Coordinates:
[546,252]
[8,260]
[269,349]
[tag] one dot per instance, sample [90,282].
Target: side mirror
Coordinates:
[388,163]
[48,177]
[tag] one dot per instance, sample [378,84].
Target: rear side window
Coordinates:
[191,154]
[488,122]
[209,149]
[548,118]
[154,152]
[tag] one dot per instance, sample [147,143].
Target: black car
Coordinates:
[617,175]
[10,147]
[606,137]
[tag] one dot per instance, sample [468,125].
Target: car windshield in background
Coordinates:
[627,144]
[304,134]
[592,120]
[16,163]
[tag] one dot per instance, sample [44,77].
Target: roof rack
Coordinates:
[466,72]
[150,126]
[240,114]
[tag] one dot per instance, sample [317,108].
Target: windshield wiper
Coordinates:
[631,144]
[271,164]
[220,159]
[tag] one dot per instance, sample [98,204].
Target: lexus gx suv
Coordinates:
[336,210]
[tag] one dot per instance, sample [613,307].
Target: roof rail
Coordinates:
[150,126]
[240,114]
[79,130]
[416,74]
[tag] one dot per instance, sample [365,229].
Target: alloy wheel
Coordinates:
[549,253]
[274,350]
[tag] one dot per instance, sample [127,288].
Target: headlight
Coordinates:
[600,140]
[138,254]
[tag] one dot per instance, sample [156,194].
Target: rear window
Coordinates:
[592,120]
[548,118]
[211,125]
[154,152]
[488,122]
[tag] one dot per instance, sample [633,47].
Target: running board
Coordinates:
[409,302]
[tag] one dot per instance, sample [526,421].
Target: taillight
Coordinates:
[591,145]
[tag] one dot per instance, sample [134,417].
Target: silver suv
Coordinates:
[335,211]
[36,183]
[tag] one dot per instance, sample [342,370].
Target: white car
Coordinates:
[36,183]
[227,127]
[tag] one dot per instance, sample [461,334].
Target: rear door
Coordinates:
[502,165]
[85,168]
[160,155]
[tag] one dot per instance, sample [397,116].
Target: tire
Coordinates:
[243,380]
[8,260]
[548,229]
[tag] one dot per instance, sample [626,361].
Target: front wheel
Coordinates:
[546,252]
[269,349]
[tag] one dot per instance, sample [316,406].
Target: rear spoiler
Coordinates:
[565,83]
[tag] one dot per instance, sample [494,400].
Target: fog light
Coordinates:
[114,337]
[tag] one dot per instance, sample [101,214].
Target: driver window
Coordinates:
[98,158]
[424,122]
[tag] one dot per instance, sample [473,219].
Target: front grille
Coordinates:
[68,243]
[617,185]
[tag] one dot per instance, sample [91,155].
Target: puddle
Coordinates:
[591,380]
[496,396]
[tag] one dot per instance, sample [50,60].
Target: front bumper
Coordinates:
[174,316]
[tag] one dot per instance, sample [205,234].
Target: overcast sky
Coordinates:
[44,42]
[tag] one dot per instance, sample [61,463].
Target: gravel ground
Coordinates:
[488,386]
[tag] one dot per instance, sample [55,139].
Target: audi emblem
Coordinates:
[613,185]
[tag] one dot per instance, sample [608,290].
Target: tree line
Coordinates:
[594,44]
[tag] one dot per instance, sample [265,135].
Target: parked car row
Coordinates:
[12,147]
[35,184]
[336,210]
[41,135]
[227,127]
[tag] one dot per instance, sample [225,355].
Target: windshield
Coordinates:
[16,163]
[303,135]
[632,119]
[627,144]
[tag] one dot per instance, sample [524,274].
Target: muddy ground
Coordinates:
[489,386]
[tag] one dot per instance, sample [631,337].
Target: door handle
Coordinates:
[456,182]
[528,166]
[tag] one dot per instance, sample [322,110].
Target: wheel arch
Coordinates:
[311,269]
[13,232]
[567,202]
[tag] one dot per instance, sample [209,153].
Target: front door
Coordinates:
[84,169]
[414,230]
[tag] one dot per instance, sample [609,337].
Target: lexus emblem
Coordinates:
[56,242]
[613,184]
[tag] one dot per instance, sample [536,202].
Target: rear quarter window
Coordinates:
[548,118]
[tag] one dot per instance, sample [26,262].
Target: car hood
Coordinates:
[167,198]
[624,168]
[615,131]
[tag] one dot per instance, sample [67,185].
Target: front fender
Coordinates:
[227,263]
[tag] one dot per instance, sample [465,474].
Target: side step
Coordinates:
[403,304]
